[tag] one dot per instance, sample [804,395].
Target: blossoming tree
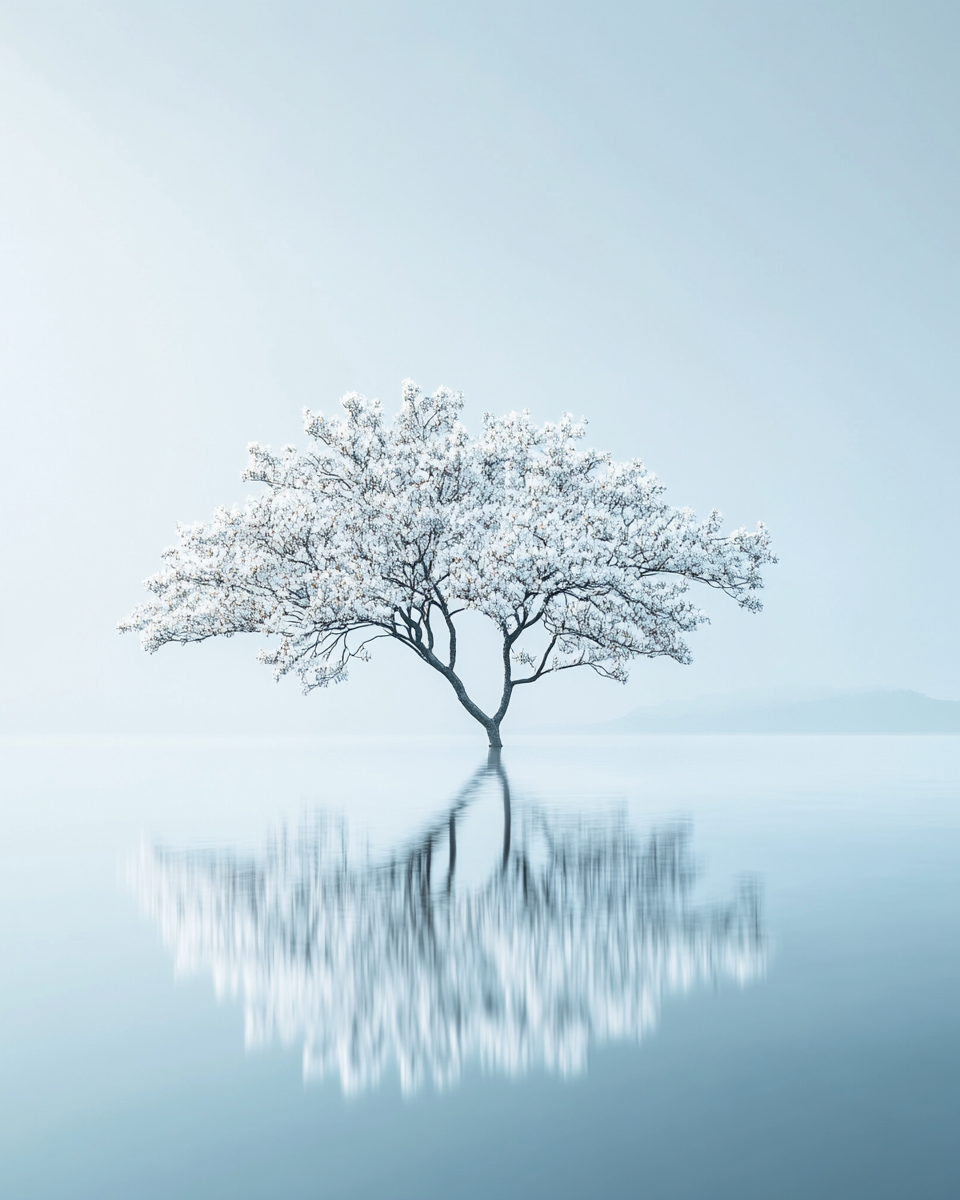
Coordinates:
[393,529]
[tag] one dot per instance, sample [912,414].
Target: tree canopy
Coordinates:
[393,529]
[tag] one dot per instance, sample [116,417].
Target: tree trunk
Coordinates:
[490,724]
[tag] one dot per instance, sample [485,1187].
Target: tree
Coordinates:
[383,530]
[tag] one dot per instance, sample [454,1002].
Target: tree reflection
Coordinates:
[577,933]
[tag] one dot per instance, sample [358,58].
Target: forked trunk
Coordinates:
[490,724]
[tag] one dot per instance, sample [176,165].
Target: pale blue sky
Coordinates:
[726,233]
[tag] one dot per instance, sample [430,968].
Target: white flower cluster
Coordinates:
[573,941]
[392,529]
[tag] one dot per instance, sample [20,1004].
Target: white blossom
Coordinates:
[383,529]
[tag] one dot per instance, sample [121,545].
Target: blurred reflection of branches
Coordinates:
[574,938]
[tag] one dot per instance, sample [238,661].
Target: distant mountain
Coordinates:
[752,712]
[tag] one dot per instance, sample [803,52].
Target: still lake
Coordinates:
[658,966]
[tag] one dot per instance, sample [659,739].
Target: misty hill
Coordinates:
[859,712]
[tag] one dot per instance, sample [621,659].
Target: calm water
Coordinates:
[670,967]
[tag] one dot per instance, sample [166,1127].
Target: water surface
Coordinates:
[685,966]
